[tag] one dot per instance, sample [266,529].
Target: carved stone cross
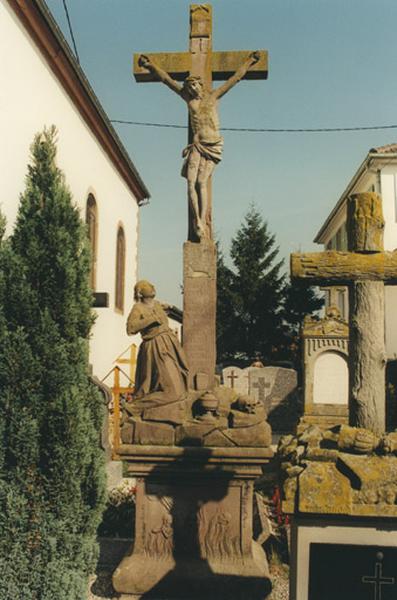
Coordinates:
[200,61]
[199,279]
[261,385]
[365,269]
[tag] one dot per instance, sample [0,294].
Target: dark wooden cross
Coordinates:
[365,269]
[232,377]
[201,61]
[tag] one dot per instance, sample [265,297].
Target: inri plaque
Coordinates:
[347,572]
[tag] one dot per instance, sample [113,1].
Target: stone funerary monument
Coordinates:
[194,448]
[340,484]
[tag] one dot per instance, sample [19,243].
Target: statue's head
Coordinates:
[144,289]
[193,85]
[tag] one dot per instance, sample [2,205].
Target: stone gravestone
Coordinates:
[325,370]
[195,454]
[276,389]
[237,379]
[340,484]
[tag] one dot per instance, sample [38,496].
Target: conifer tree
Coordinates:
[51,466]
[255,287]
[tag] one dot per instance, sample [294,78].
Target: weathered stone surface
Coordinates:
[256,436]
[365,222]
[331,326]
[159,434]
[192,433]
[322,489]
[242,419]
[217,438]
[224,64]
[236,379]
[276,389]
[161,369]
[367,355]
[338,267]
[365,270]
[127,433]
[325,370]
[272,385]
[174,413]
[322,477]
[199,308]
[194,531]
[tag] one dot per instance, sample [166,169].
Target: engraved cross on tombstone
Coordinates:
[232,377]
[365,269]
[261,385]
[378,581]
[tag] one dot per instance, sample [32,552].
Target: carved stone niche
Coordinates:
[325,370]
[194,531]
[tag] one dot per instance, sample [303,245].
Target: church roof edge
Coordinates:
[41,25]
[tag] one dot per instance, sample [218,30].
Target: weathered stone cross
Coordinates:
[365,269]
[203,62]
[199,279]
[261,385]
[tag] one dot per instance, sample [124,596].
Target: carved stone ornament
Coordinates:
[214,418]
[331,325]
[344,471]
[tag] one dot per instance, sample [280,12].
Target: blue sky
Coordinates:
[332,63]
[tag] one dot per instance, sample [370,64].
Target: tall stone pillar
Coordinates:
[199,311]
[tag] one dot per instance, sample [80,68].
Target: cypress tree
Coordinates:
[51,466]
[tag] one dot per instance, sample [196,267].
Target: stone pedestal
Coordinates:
[194,524]
[199,311]
[341,490]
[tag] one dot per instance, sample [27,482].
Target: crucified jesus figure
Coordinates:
[205,151]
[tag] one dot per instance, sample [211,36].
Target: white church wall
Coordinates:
[389,204]
[32,97]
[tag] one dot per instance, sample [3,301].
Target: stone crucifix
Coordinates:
[197,69]
[365,269]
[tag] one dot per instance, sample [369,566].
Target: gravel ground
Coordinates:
[280,579]
[101,585]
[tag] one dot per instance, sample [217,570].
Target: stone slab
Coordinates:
[217,438]
[257,435]
[158,434]
[174,413]
[192,434]
[236,379]
[276,389]
[347,537]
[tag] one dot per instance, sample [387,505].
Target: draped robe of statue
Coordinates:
[162,371]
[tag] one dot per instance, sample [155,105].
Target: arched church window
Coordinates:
[120,269]
[91,219]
